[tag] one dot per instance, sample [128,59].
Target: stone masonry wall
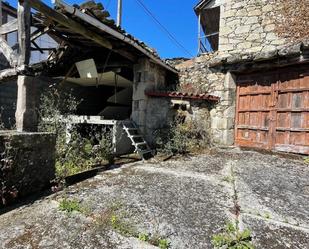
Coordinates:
[247,26]
[196,76]
[148,113]
[27,163]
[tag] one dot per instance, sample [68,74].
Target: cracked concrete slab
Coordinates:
[185,200]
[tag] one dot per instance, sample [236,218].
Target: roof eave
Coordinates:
[200,6]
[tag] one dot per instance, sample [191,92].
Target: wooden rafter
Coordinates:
[8,52]
[8,27]
[69,23]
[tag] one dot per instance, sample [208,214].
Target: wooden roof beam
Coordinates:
[8,27]
[69,23]
[8,52]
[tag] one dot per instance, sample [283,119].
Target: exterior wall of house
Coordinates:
[196,76]
[149,113]
[247,26]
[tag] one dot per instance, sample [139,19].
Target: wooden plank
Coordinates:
[8,73]
[36,47]
[24,26]
[38,33]
[8,27]
[69,23]
[8,52]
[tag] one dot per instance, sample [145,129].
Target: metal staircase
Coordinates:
[138,141]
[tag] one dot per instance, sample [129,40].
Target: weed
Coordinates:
[143,237]
[118,221]
[306,160]
[70,205]
[123,227]
[267,215]
[164,244]
[229,179]
[232,238]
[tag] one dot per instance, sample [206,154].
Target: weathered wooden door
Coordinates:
[273,110]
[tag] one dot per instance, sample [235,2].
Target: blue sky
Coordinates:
[177,16]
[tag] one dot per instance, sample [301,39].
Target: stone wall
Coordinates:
[195,76]
[247,26]
[149,114]
[27,163]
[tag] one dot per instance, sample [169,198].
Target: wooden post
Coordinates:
[26,117]
[24,26]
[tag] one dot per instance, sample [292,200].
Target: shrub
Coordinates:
[181,137]
[232,238]
[79,150]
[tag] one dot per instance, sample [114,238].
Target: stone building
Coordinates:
[260,75]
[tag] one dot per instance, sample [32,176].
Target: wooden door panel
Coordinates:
[292,126]
[273,110]
[253,111]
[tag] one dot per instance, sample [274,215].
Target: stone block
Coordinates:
[230,81]
[228,137]
[26,116]
[27,163]
[242,29]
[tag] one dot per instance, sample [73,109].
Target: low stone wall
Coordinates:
[27,163]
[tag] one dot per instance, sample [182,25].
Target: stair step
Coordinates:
[137,139]
[145,151]
[139,144]
[131,129]
[136,136]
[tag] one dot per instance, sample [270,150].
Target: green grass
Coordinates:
[70,205]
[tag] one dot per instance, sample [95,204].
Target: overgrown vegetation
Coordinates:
[181,136]
[118,220]
[233,238]
[77,149]
[291,19]
[8,153]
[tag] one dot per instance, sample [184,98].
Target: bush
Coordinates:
[79,150]
[181,137]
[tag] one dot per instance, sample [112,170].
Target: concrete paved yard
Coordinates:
[185,201]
